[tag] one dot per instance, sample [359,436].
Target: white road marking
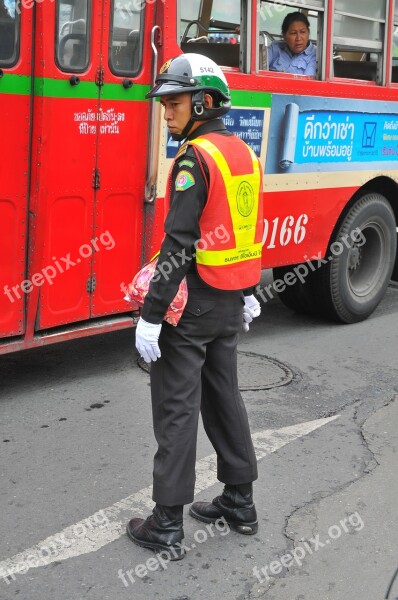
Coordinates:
[109,524]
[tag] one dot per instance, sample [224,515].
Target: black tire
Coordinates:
[353,282]
[299,296]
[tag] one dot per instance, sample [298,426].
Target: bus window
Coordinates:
[216,29]
[394,74]
[270,18]
[126,38]
[9,33]
[358,39]
[72,37]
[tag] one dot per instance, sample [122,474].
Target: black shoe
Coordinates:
[162,531]
[235,505]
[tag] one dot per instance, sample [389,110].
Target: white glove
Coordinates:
[146,340]
[251,310]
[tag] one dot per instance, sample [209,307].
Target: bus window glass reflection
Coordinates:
[9,33]
[72,45]
[126,37]
[275,24]
[394,74]
[214,30]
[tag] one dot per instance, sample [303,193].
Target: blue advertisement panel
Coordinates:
[244,123]
[330,134]
[248,125]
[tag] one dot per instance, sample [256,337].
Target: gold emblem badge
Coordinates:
[245,198]
[165,66]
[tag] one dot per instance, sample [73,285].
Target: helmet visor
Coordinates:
[169,88]
[168,83]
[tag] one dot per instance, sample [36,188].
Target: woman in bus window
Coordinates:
[295,53]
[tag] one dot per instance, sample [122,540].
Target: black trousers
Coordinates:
[198,372]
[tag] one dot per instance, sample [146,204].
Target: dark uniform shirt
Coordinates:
[182,230]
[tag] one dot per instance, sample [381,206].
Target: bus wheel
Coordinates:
[360,261]
[299,295]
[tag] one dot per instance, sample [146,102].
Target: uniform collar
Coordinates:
[208,127]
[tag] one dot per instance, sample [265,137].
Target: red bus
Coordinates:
[84,157]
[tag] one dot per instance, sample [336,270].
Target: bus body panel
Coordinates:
[15,120]
[122,159]
[307,214]
[89,228]
[62,182]
[91,213]
[64,210]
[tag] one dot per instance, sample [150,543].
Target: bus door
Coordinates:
[15,98]
[66,104]
[91,169]
[122,154]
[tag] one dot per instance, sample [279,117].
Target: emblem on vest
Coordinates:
[245,198]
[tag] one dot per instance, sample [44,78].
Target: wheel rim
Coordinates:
[368,261]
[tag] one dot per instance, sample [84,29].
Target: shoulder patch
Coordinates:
[186,163]
[184,181]
[181,150]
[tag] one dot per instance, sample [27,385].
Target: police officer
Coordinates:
[213,233]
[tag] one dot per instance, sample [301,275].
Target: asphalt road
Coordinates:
[76,439]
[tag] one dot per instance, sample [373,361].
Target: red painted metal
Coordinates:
[66,334]
[287,207]
[62,194]
[92,153]
[87,218]
[122,159]
[14,172]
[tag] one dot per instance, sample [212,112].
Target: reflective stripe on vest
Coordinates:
[242,194]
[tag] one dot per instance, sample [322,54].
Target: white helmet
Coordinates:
[197,74]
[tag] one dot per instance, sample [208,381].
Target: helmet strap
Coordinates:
[198,105]
[197,114]
[178,137]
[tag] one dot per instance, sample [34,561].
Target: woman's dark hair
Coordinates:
[291,18]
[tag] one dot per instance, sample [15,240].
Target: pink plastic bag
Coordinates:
[138,289]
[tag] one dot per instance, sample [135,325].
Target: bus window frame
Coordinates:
[126,72]
[88,40]
[364,46]
[245,34]
[13,61]
[394,27]
[394,83]
[318,6]
[321,15]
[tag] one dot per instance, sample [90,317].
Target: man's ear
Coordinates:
[209,102]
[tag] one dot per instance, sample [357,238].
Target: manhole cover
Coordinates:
[259,372]
[255,371]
